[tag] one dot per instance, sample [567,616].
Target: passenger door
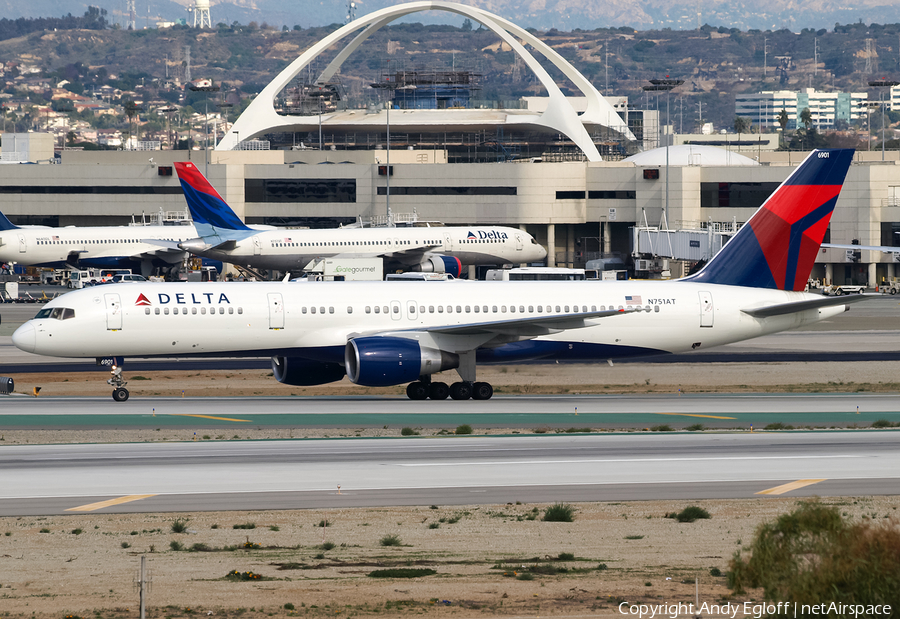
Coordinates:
[257,247]
[113,312]
[23,246]
[276,311]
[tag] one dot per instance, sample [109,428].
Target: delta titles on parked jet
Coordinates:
[223,236]
[389,333]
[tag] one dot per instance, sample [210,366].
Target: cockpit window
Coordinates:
[56,313]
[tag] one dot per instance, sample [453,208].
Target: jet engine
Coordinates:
[439,264]
[383,361]
[305,372]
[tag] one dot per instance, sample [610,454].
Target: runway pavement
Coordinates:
[40,480]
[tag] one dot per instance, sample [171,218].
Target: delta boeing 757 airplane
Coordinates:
[389,333]
[223,236]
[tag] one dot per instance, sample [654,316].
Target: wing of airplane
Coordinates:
[801,306]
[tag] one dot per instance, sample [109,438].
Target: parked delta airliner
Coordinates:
[123,247]
[389,333]
[223,236]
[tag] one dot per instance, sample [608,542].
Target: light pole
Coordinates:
[209,88]
[656,85]
[320,122]
[881,85]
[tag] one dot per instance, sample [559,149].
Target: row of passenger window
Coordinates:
[468,309]
[184,310]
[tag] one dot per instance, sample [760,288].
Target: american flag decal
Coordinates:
[55,238]
[633,299]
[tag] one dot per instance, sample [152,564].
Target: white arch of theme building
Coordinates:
[260,116]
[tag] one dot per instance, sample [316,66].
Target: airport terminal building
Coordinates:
[567,190]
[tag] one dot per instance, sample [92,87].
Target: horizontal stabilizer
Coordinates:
[807,304]
[882,248]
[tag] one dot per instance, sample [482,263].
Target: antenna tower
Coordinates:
[351,11]
[129,6]
[187,63]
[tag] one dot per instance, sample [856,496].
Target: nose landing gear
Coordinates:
[120,393]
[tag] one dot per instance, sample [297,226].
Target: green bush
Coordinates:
[525,576]
[715,572]
[464,429]
[882,423]
[778,426]
[434,525]
[126,545]
[199,547]
[327,545]
[179,525]
[176,545]
[45,530]
[390,540]
[289,606]
[402,572]
[246,525]
[559,512]
[77,531]
[566,556]
[602,566]
[690,514]
[697,427]
[634,537]
[409,432]
[663,428]
[813,554]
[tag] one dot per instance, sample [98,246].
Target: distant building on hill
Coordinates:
[826,108]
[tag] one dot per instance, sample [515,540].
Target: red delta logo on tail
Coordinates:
[142,300]
[778,245]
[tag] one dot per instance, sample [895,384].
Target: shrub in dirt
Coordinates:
[246,525]
[327,545]
[690,514]
[715,572]
[179,525]
[236,575]
[814,554]
[408,432]
[464,429]
[559,512]
[663,428]
[176,545]
[566,556]
[882,423]
[402,572]
[390,540]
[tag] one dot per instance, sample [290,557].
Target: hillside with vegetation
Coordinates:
[716,62]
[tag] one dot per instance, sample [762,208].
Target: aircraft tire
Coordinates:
[120,394]
[438,391]
[482,391]
[461,391]
[417,391]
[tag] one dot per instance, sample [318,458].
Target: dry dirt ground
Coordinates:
[489,560]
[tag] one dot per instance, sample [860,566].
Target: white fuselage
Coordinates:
[292,250]
[98,246]
[284,318]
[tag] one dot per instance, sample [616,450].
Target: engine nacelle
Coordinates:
[305,372]
[439,264]
[384,361]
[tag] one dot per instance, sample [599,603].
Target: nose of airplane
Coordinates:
[24,337]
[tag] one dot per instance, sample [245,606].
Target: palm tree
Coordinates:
[741,125]
[806,118]
[783,121]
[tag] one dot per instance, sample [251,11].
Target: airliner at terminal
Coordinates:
[390,333]
[123,247]
[441,249]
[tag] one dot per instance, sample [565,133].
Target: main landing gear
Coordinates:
[120,393]
[424,389]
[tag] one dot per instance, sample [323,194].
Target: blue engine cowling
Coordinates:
[305,372]
[384,361]
[440,264]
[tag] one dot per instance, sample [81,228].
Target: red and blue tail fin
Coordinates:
[204,202]
[778,246]
[6,224]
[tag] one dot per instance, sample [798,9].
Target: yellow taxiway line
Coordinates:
[794,485]
[122,499]
[211,417]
